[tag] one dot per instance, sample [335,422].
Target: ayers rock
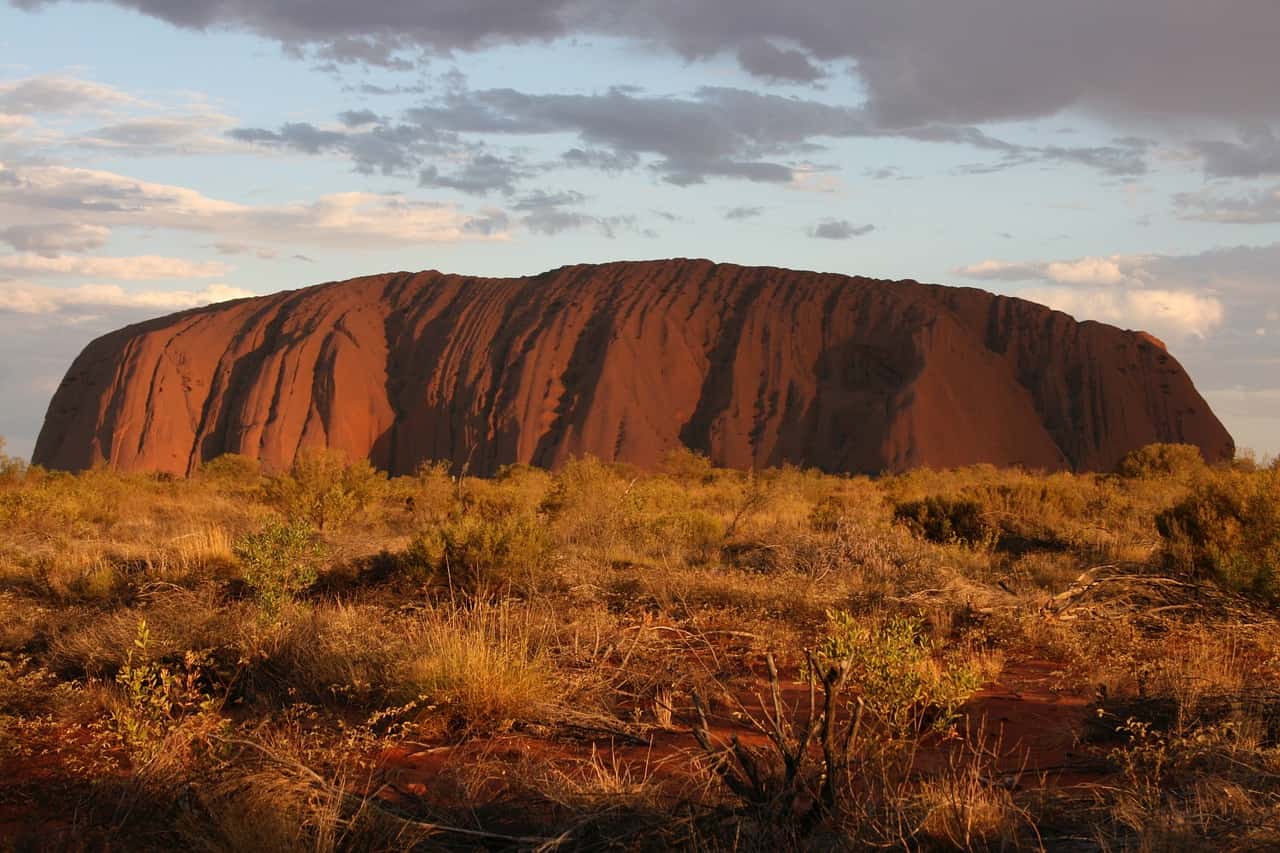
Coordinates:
[625,361]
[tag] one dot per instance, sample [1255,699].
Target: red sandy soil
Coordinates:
[1026,719]
[755,367]
[1031,725]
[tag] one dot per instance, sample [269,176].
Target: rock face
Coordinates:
[752,366]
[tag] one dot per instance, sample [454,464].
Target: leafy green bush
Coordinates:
[1161,460]
[279,561]
[892,666]
[593,505]
[154,698]
[232,471]
[11,467]
[324,489]
[474,552]
[1229,529]
[948,520]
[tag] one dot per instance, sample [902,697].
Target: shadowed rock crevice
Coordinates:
[626,361]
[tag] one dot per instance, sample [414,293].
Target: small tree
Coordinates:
[279,561]
[1161,460]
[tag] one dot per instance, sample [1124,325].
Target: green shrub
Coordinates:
[1229,529]
[1161,460]
[324,489]
[11,468]
[232,471]
[154,698]
[473,552]
[592,505]
[693,535]
[279,561]
[948,520]
[892,667]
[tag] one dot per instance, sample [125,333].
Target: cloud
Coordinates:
[58,94]
[548,214]
[199,133]
[55,238]
[1257,153]
[141,268]
[231,247]
[1167,313]
[1090,271]
[480,175]
[26,298]
[352,220]
[960,62]
[1224,292]
[839,229]
[1249,208]
[715,132]
[10,125]
[763,58]
[388,149]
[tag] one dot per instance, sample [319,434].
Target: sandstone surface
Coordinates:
[625,361]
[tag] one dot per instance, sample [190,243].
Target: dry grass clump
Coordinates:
[488,665]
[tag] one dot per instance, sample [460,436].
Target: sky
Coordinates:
[1117,161]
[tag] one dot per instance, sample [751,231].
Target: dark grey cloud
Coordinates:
[1124,158]
[541,199]
[550,213]
[740,213]
[482,174]
[839,229]
[1256,153]
[382,53]
[605,161]
[715,132]
[55,239]
[389,149]
[489,223]
[358,118]
[718,132]
[1250,207]
[763,58]
[960,62]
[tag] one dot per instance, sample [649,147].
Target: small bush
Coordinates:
[324,489]
[1161,460]
[893,668]
[1229,529]
[154,698]
[232,472]
[948,521]
[474,552]
[11,468]
[279,561]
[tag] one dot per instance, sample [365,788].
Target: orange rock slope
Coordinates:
[625,361]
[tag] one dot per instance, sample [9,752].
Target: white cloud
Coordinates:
[26,298]
[1126,270]
[140,268]
[53,93]
[1165,313]
[353,220]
